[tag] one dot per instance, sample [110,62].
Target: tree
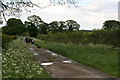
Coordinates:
[14,27]
[62,26]
[13,6]
[38,23]
[53,27]
[110,24]
[43,28]
[72,25]
[36,20]
[31,29]
[16,6]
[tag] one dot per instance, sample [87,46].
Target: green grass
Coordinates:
[18,62]
[100,57]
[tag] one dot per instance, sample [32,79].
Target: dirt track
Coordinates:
[62,67]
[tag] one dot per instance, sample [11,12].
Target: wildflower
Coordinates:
[39,72]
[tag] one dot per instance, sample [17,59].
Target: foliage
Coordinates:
[31,29]
[36,20]
[72,25]
[43,28]
[105,36]
[35,25]
[110,24]
[62,26]
[53,27]
[14,27]
[101,57]
[18,62]
[15,6]
[6,39]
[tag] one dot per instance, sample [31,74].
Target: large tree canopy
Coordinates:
[38,23]
[53,27]
[31,29]
[36,20]
[72,25]
[14,27]
[111,24]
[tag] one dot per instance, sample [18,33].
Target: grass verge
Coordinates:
[98,56]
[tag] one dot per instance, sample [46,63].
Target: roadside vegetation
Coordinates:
[103,36]
[101,57]
[18,62]
[96,48]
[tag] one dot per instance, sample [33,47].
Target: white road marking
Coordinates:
[47,64]
[68,61]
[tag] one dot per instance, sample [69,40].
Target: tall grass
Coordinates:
[18,62]
[106,36]
[6,39]
[100,57]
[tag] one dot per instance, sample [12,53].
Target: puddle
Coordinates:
[68,61]
[31,48]
[35,54]
[47,64]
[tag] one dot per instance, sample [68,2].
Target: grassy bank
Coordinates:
[17,62]
[100,57]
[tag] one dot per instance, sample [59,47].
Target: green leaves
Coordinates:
[14,27]
[18,62]
[111,24]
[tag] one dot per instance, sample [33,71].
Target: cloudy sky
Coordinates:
[90,14]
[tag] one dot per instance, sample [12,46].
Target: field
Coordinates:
[17,62]
[102,57]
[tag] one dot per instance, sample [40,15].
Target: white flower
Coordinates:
[39,72]
[17,71]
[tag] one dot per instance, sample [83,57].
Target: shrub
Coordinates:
[105,36]
[6,39]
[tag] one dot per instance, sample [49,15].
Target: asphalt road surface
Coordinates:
[61,67]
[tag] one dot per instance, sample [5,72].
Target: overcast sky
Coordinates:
[90,14]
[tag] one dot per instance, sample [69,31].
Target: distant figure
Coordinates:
[27,40]
[32,41]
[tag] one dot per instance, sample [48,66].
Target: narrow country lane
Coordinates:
[62,67]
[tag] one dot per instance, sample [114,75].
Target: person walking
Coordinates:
[32,41]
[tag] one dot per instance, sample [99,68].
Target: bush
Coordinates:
[106,36]
[6,39]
